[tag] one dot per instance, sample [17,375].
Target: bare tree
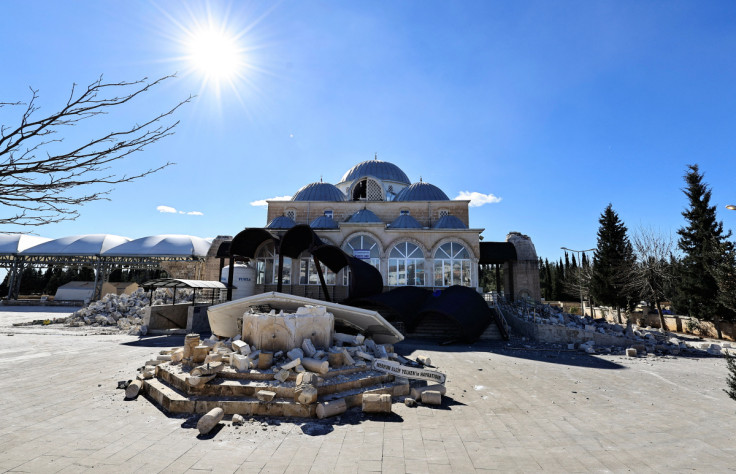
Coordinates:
[652,276]
[43,180]
[577,282]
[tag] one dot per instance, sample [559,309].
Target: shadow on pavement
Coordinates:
[173,340]
[536,352]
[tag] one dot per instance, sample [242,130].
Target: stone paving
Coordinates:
[508,409]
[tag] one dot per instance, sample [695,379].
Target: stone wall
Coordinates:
[674,323]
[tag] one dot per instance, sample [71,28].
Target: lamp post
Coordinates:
[579,252]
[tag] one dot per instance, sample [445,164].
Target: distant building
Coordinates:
[413,233]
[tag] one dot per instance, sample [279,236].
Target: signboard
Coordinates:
[363,254]
[394,368]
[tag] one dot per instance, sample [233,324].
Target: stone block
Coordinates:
[292,364]
[241,362]
[424,359]
[295,353]
[265,360]
[640,348]
[281,375]
[265,395]
[308,378]
[314,365]
[331,408]
[177,355]
[410,402]
[306,394]
[376,403]
[210,420]
[133,389]
[200,353]
[239,346]
[416,392]
[431,397]
[631,352]
[347,358]
[335,359]
[308,348]
[199,380]
[208,369]
[238,419]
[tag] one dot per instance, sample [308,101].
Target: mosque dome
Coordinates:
[319,192]
[324,222]
[405,221]
[281,222]
[449,222]
[364,216]
[382,170]
[422,191]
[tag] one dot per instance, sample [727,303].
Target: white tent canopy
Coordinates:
[165,245]
[77,245]
[12,244]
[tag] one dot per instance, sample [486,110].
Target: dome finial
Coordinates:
[320,178]
[375,156]
[420,179]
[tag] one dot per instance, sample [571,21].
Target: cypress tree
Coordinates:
[703,243]
[549,284]
[613,260]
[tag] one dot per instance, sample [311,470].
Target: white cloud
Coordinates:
[171,210]
[477,199]
[263,202]
[166,209]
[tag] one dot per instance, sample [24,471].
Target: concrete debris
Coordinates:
[123,311]
[431,397]
[631,352]
[416,392]
[424,360]
[282,375]
[238,420]
[308,348]
[208,369]
[295,353]
[306,394]
[210,420]
[410,402]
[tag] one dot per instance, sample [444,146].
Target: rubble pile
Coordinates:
[310,379]
[126,311]
[648,340]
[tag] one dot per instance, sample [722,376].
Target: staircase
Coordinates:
[235,392]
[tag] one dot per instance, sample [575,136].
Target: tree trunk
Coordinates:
[618,314]
[661,318]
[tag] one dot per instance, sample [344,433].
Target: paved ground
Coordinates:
[508,409]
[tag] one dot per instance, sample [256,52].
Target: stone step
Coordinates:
[225,387]
[174,401]
[491,333]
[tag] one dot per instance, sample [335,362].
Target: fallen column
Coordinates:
[331,408]
[376,403]
[210,420]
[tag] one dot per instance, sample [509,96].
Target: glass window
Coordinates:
[328,213]
[404,212]
[308,274]
[452,265]
[406,265]
[267,267]
[364,248]
[291,214]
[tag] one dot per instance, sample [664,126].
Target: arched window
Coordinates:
[406,265]
[267,266]
[365,248]
[451,265]
[367,189]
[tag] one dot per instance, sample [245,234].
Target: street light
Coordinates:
[582,305]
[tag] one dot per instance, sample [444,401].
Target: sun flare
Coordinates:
[215,54]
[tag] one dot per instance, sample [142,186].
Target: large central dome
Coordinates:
[382,170]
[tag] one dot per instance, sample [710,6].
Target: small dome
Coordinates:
[324,222]
[364,216]
[281,222]
[405,221]
[422,191]
[378,169]
[449,222]
[319,192]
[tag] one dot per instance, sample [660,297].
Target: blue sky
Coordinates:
[558,108]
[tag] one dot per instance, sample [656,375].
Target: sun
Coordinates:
[215,54]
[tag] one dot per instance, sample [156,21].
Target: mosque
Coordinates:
[412,233]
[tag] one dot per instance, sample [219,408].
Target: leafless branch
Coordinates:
[44,186]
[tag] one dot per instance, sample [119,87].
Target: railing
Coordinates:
[492,299]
